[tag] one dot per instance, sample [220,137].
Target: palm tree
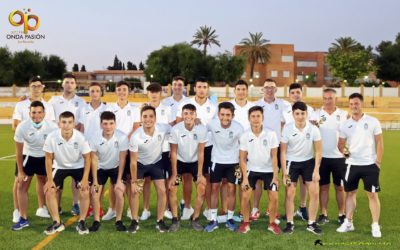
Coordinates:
[345,45]
[205,36]
[255,49]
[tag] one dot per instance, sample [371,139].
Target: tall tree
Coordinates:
[255,49]
[345,45]
[141,66]
[123,66]
[75,68]
[27,64]
[205,36]
[388,60]
[83,68]
[131,66]
[6,67]
[54,67]
[228,68]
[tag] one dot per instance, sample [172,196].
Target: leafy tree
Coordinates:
[123,66]
[388,60]
[117,65]
[205,36]
[130,66]
[83,68]
[54,67]
[228,68]
[6,67]
[255,49]
[75,68]
[27,64]
[141,66]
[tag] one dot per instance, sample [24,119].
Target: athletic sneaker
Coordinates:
[133,227]
[95,226]
[255,216]
[302,213]
[238,218]
[120,227]
[207,214]
[244,227]
[16,215]
[196,225]
[42,212]
[322,219]
[162,228]
[230,224]
[346,226]
[109,215]
[54,228]
[376,230]
[20,224]
[341,219]
[145,214]
[289,229]
[274,228]
[187,213]
[75,209]
[211,226]
[168,214]
[313,228]
[175,225]
[222,218]
[128,213]
[81,228]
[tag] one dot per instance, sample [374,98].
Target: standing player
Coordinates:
[225,159]
[363,135]
[187,159]
[145,148]
[68,153]
[258,161]
[21,113]
[297,158]
[328,119]
[29,139]
[177,97]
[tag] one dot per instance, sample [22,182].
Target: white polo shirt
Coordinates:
[225,142]
[60,105]
[205,113]
[108,150]
[258,150]
[273,114]
[149,148]
[173,104]
[242,113]
[288,116]
[188,141]
[67,154]
[33,138]
[90,118]
[360,137]
[22,108]
[300,144]
[125,117]
[329,125]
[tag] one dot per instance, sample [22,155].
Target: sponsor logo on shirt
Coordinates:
[251,140]
[183,136]
[31,134]
[294,135]
[60,143]
[44,136]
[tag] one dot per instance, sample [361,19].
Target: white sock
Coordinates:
[375,223]
[310,222]
[214,214]
[255,210]
[291,222]
[230,214]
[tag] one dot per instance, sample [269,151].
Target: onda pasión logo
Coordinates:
[27,24]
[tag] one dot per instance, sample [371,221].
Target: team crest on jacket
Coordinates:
[159,137]
[76,104]
[365,126]
[230,134]
[162,112]
[265,142]
[308,136]
[276,106]
[195,137]
[338,117]
[208,109]
[75,145]
[115,144]
[128,113]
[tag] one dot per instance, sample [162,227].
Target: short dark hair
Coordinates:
[270,80]
[226,105]
[96,84]
[201,79]
[189,106]
[299,105]
[107,115]
[241,82]
[35,104]
[120,83]
[356,95]
[256,108]
[35,79]
[154,87]
[329,90]
[147,107]
[295,86]
[179,78]
[69,75]
[67,114]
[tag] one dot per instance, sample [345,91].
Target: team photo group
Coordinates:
[224,155]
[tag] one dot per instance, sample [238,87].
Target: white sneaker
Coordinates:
[16,216]
[222,218]
[187,212]
[376,230]
[207,214]
[345,227]
[128,213]
[42,212]
[168,214]
[109,215]
[145,214]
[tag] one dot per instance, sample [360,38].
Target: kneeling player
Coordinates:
[258,161]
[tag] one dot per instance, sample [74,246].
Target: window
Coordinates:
[274,73]
[307,64]
[256,74]
[287,58]
[300,78]
[286,74]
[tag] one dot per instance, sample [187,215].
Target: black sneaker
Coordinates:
[133,227]
[196,225]
[341,219]
[81,228]
[95,226]
[120,227]
[322,219]
[161,226]
[302,213]
[54,228]
[313,228]
[289,229]
[175,225]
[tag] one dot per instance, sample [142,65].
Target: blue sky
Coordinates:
[91,32]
